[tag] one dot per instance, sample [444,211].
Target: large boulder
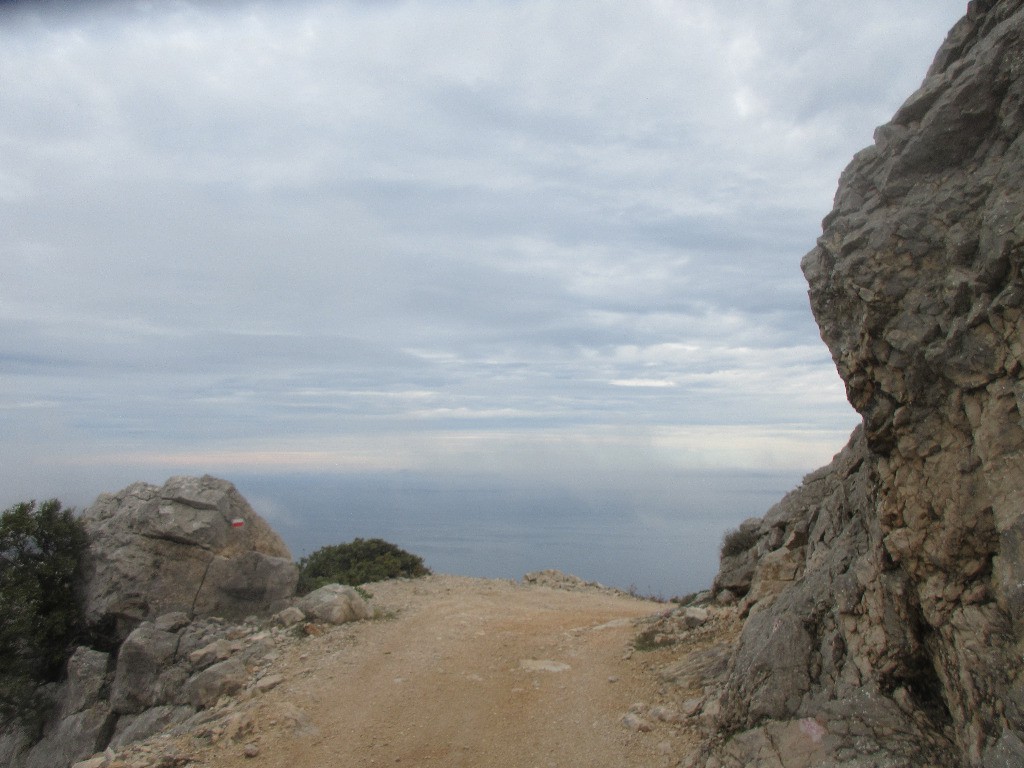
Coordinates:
[193,545]
[889,631]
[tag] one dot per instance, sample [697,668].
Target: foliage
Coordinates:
[40,616]
[358,562]
[738,541]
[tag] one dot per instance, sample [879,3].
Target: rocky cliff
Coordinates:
[885,596]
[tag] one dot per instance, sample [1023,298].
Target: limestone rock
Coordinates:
[223,678]
[218,650]
[885,603]
[739,558]
[87,672]
[74,738]
[694,616]
[154,720]
[335,604]
[193,546]
[142,660]
[289,617]
[15,740]
[269,682]
[161,560]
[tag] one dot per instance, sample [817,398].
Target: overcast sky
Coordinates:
[544,238]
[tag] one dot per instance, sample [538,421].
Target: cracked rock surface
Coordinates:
[192,545]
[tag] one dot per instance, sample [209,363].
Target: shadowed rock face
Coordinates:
[193,545]
[887,602]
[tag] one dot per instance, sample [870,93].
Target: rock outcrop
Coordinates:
[193,545]
[170,574]
[886,602]
[172,672]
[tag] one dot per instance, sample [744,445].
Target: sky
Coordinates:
[551,241]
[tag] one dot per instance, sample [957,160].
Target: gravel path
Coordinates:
[460,671]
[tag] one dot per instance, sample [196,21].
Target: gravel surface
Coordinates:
[459,671]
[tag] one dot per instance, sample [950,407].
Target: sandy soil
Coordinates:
[459,672]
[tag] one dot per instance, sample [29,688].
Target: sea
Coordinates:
[658,535]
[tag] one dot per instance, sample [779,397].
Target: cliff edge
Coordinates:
[885,596]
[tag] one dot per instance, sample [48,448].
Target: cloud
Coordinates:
[644,383]
[321,233]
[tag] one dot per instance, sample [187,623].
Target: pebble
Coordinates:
[251,750]
[691,707]
[634,722]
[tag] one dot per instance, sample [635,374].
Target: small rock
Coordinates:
[711,709]
[290,616]
[269,682]
[613,679]
[335,604]
[665,714]
[634,722]
[216,651]
[691,707]
[312,629]
[694,617]
[251,750]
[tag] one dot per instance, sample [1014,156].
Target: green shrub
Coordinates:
[40,615]
[738,541]
[357,562]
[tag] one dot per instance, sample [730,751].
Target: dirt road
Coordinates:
[460,672]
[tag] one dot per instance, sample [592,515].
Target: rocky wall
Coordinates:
[886,602]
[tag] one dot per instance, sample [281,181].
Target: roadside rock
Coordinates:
[193,546]
[160,561]
[73,737]
[222,679]
[131,728]
[142,661]
[335,604]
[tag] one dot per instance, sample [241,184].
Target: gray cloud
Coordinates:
[491,236]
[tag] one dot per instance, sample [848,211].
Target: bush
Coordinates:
[357,562]
[738,541]
[40,615]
